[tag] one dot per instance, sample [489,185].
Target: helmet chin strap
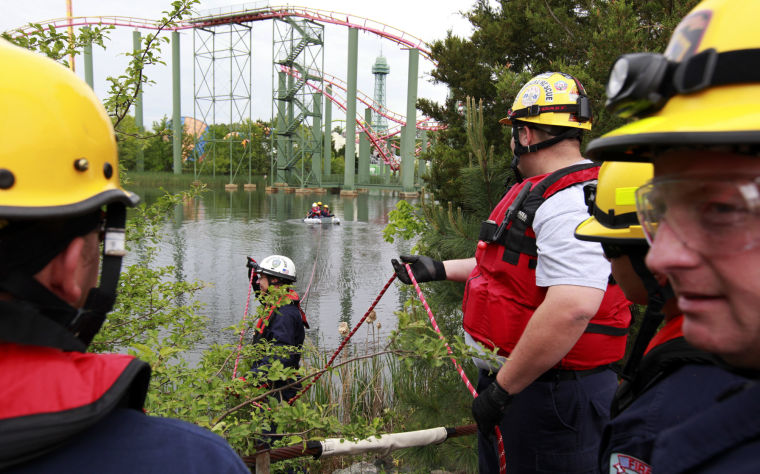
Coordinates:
[100,300]
[657,296]
[84,322]
[521,149]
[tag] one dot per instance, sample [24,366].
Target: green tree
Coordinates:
[516,39]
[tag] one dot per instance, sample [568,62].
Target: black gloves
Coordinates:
[424,269]
[489,408]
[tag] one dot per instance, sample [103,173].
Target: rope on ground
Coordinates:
[502,455]
[346,339]
[383,444]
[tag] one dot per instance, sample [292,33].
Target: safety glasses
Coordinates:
[711,215]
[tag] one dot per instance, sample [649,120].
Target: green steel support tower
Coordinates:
[298,56]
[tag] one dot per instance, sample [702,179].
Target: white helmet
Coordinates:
[278,267]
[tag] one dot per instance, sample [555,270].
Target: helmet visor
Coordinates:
[719,216]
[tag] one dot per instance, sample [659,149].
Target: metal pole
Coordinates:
[176,111]
[407,148]
[137,46]
[350,156]
[364,150]
[316,157]
[328,133]
[88,75]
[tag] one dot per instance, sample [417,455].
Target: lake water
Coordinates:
[345,265]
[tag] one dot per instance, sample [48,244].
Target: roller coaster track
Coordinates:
[252,12]
[243,14]
[337,96]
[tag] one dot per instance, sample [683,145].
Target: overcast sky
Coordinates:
[425,19]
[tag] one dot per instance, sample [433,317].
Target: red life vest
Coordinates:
[671,330]
[501,293]
[262,323]
[50,395]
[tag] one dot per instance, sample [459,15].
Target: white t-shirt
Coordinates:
[563,259]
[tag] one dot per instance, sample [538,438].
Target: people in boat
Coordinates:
[314,212]
[326,211]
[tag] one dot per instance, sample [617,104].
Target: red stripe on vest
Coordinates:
[37,380]
[671,330]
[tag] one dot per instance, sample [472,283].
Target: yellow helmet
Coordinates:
[702,91]
[551,98]
[613,211]
[319,203]
[58,156]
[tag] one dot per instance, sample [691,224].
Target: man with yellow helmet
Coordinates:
[665,379]
[698,123]
[539,296]
[61,408]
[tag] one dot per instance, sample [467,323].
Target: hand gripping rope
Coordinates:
[502,455]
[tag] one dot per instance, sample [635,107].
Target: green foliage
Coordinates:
[516,39]
[124,89]
[403,222]
[55,44]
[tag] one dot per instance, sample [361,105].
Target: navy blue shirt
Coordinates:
[128,441]
[722,438]
[285,328]
[631,439]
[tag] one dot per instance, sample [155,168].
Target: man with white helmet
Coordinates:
[63,409]
[540,297]
[698,123]
[284,323]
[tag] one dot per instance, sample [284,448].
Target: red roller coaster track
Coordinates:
[241,14]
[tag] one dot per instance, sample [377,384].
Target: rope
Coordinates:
[502,455]
[242,331]
[346,339]
[313,268]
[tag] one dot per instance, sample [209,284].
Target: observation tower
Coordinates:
[380,69]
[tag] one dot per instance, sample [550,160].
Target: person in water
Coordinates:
[314,211]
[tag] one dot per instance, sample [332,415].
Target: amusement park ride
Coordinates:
[222,89]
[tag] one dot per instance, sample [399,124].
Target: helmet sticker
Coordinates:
[530,95]
[688,35]
[560,86]
[548,91]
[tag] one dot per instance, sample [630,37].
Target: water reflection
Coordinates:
[344,267]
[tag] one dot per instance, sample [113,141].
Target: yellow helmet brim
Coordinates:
[591,230]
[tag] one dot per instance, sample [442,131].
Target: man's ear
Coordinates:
[60,274]
[526,136]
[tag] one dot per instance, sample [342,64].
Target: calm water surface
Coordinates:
[344,266]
